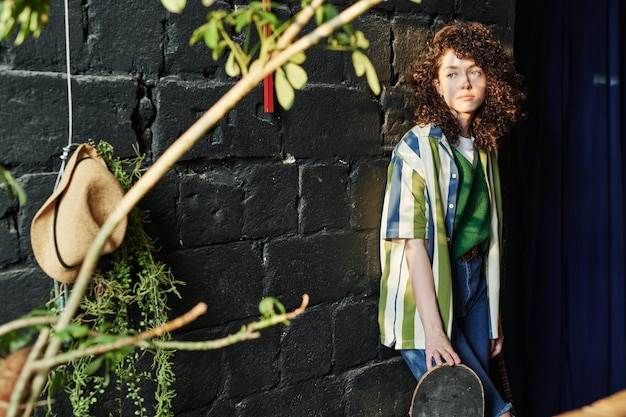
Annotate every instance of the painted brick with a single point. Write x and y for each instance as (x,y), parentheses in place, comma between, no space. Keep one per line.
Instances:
(328,67)
(409,40)
(325,198)
(36,103)
(424,7)
(227,277)
(186,60)
(307,347)
(251,366)
(15,283)
(316,398)
(486,11)
(398,114)
(327,266)
(331,122)
(190,368)
(211,208)
(245,132)
(380,390)
(368,189)
(9,240)
(132,29)
(161,203)
(38,188)
(271,195)
(355,335)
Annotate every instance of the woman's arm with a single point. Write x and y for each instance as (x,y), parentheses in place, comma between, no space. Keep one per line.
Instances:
(438,346)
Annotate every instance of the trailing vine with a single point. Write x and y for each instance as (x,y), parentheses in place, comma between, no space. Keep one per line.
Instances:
(128,295)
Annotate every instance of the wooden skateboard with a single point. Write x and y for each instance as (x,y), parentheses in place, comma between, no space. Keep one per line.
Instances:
(448,391)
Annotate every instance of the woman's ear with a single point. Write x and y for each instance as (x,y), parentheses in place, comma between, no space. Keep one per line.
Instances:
(436,86)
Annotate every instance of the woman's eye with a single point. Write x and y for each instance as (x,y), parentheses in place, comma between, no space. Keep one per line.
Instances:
(451,75)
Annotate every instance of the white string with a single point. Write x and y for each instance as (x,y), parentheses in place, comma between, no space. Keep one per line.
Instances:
(68,73)
(62,290)
(70,116)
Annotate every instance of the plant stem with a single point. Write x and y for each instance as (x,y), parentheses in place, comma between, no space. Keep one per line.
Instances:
(299,22)
(247,332)
(26,322)
(177,323)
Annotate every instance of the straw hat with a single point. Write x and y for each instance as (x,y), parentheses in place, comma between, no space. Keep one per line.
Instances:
(66,225)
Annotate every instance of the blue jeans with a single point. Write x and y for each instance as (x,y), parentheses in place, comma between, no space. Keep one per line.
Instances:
(470,331)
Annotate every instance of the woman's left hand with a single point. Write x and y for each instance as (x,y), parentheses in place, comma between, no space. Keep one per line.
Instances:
(495,345)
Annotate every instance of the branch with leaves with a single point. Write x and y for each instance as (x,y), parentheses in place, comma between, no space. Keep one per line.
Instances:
(280,52)
(95,345)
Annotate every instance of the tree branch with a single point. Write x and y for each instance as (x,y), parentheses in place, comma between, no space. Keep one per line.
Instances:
(175,151)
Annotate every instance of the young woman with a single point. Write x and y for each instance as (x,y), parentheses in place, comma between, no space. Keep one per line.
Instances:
(442,220)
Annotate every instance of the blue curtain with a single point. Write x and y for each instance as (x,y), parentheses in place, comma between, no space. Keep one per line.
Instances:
(564,175)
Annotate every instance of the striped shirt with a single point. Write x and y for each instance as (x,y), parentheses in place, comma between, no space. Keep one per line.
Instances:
(420,203)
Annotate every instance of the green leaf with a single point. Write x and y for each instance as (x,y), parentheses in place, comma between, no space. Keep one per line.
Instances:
(363,65)
(71,332)
(298,58)
(361,40)
(198,34)
(211,35)
(242,20)
(319,16)
(174,6)
(13,188)
(358,61)
(269,305)
(349,29)
(343,38)
(296,75)
(325,13)
(219,49)
(55,382)
(208,3)
(269,18)
(284,90)
(372,77)
(232,67)
(102,339)
(93,366)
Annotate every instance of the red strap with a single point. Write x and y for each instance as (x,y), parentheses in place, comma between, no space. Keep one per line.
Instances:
(268,82)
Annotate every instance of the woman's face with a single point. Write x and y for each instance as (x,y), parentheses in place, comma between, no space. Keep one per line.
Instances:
(462,84)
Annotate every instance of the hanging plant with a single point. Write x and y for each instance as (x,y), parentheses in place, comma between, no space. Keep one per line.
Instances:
(126,297)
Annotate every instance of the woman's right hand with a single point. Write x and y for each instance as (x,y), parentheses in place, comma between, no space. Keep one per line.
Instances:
(440,350)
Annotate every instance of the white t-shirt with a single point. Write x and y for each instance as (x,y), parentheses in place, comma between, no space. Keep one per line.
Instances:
(466,147)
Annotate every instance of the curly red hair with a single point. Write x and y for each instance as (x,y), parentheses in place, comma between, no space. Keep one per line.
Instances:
(502,106)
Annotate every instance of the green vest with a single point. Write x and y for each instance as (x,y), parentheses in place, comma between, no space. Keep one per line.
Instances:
(471,220)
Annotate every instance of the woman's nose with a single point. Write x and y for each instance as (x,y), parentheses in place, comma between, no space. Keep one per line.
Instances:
(466,82)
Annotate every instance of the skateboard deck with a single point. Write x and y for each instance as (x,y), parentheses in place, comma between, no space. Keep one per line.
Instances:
(448,391)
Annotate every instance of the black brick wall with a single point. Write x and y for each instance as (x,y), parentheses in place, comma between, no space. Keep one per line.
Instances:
(265,204)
